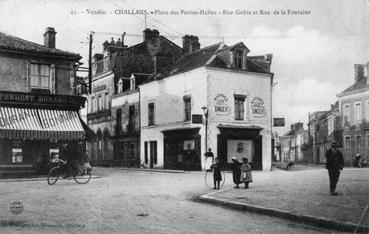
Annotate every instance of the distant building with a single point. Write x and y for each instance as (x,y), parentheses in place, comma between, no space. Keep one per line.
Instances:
(116,73)
(354,108)
(292,144)
(328,129)
(39,110)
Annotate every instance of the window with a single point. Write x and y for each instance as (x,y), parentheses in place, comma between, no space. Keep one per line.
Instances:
(92,104)
(187,107)
(40,76)
(239,107)
(131,119)
(358,113)
(133,83)
(151,114)
(347,143)
(346,114)
(238,59)
(106,101)
(99,103)
(120,86)
(17,155)
(153,152)
(146,153)
(358,144)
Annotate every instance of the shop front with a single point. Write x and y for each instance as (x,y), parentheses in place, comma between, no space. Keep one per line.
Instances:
(33,133)
(239,142)
(182,149)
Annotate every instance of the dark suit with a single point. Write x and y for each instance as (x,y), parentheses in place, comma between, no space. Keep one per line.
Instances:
(334,165)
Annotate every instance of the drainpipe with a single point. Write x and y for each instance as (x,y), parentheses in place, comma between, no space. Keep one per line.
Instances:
(271,118)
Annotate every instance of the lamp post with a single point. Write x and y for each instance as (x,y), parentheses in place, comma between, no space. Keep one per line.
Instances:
(206,114)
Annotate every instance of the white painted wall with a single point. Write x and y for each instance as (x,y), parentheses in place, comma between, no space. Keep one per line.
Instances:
(252,85)
(203,85)
(167,94)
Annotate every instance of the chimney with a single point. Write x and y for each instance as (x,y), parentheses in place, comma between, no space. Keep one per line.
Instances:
(49,37)
(359,72)
(190,44)
(299,126)
(150,35)
(292,126)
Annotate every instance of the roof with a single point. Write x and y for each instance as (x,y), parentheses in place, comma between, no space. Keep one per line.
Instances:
(359,86)
(211,56)
(12,43)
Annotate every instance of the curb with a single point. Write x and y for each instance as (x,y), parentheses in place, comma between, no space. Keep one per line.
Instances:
(149,170)
(318,221)
(35,179)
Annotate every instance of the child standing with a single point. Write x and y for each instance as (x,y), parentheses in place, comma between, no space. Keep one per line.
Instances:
(246,175)
(217,173)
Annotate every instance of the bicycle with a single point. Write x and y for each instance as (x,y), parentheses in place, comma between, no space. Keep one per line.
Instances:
(81,175)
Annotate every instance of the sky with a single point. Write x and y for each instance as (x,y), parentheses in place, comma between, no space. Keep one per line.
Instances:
(313,54)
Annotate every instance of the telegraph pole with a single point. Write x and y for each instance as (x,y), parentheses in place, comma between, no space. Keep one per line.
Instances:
(90,63)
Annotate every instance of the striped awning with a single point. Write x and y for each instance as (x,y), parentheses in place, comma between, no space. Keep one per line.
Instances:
(39,124)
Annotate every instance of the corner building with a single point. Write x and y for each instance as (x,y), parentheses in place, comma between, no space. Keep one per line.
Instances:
(233,87)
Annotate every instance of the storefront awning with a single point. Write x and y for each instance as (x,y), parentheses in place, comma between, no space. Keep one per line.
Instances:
(39,124)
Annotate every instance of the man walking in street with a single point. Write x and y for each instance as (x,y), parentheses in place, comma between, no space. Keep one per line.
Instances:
(334,165)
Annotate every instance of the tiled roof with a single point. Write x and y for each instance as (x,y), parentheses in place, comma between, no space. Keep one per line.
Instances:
(12,43)
(360,85)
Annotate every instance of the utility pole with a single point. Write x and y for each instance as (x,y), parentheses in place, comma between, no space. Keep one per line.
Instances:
(90,63)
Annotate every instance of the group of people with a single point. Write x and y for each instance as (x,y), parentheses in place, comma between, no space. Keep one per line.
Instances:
(241,171)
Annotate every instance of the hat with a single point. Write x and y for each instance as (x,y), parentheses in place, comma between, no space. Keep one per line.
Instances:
(334,144)
(234,158)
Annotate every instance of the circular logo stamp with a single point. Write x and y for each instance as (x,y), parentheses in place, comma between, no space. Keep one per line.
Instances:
(16,207)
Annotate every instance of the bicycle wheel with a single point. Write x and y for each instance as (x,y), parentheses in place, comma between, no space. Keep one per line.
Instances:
(83,176)
(209,181)
(53,175)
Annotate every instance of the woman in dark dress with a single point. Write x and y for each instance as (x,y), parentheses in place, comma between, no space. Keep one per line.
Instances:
(217,176)
(236,171)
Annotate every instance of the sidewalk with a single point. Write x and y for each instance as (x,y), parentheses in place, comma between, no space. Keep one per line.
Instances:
(302,195)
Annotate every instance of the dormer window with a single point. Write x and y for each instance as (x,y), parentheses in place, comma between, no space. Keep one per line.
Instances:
(106,61)
(133,83)
(238,59)
(120,86)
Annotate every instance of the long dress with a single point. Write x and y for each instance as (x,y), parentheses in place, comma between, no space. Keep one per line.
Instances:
(236,170)
(246,175)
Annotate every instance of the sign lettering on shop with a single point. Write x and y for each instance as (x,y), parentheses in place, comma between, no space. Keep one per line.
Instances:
(221,104)
(19,98)
(257,107)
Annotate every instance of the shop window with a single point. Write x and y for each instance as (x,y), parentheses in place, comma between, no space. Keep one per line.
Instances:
(40,76)
(238,59)
(151,114)
(187,107)
(54,155)
(239,107)
(17,156)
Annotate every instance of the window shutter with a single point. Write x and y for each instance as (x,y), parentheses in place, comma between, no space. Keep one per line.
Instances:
(52,79)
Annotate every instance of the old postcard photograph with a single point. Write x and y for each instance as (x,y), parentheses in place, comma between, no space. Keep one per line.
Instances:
(159,116)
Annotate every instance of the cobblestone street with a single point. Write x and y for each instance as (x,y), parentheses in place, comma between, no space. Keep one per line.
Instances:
(130,202)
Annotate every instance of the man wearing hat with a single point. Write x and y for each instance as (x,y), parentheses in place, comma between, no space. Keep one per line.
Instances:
(334,165)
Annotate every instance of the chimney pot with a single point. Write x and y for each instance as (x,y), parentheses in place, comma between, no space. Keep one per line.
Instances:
(359,72)
(190,44)
(49,37)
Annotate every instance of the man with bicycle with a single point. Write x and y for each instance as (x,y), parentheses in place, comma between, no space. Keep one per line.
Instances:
(70,159)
